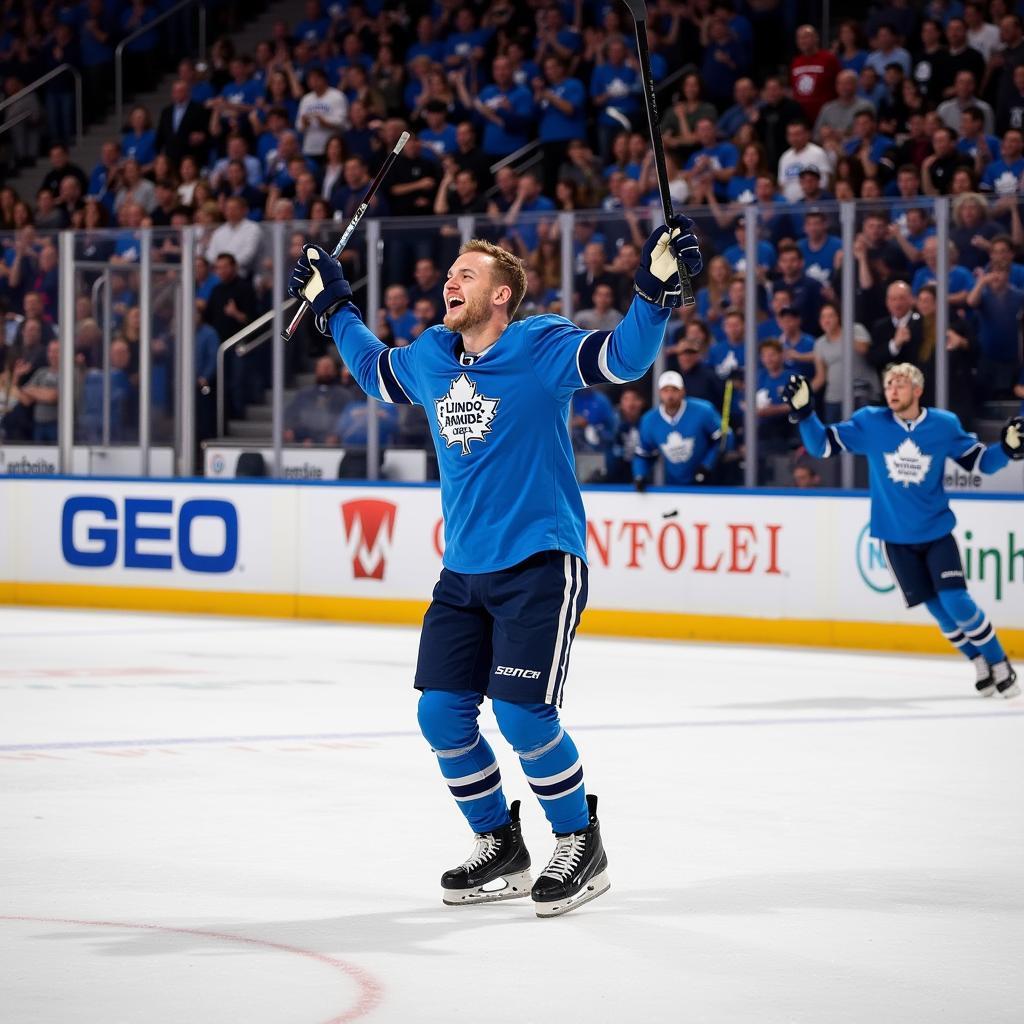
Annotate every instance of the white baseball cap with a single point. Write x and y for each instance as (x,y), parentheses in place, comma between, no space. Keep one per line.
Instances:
(670,379)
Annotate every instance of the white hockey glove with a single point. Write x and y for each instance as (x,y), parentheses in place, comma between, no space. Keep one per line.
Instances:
(1013,438)
(797,393)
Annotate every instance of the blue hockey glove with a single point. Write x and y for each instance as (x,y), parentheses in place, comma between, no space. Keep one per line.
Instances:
(657,277)
(318,278)
(797,394)
(1012,438)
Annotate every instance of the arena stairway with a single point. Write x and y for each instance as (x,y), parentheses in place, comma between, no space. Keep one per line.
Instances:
(86,151)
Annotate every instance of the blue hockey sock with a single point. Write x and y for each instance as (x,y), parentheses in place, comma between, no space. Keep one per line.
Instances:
(974,622)
(448,721)
(950,630)
(550,761)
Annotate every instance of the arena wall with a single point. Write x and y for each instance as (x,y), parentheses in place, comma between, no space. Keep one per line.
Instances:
(765,567)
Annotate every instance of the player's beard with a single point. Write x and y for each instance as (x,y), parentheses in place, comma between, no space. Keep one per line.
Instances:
(473,313)
(900,407)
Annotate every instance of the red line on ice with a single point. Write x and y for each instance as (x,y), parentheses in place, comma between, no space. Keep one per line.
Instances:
(370,990)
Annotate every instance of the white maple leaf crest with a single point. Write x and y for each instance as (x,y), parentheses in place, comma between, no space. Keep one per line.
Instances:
(463,415)
(908,464)
(677,448)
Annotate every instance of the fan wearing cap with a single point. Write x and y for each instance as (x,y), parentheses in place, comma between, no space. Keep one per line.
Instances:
(684,432)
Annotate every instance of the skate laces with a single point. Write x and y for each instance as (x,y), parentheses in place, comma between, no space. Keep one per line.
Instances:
(485,848)
(568,851)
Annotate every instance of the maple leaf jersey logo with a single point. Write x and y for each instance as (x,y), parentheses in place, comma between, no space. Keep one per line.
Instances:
(463,415)
(677,448)
(908,464)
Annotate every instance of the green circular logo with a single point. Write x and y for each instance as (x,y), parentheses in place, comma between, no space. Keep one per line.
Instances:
(871,563)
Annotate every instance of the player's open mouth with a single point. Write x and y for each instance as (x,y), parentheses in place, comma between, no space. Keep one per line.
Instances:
(454,300)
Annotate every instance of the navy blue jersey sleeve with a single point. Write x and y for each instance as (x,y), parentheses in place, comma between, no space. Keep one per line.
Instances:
(387,374)
(970,453)
(566,357)
(825,442)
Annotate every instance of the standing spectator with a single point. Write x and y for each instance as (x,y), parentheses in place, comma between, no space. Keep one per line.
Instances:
(562,104)
(602,315)
(105,179)
(323,111)
(396,316)
(959,57)
(40,392)
(812,73)
(413,181)
(699,379)
(972,230)
(314,410)
(427,284)
(797,346)
(939,168)
(898,336)
(805,292)
(982,35)
(507,109)
(743,111)
(134,188)
(60,167)
(232,304)
(685,432)
(182,128)
(98,36)
(728,356)
(714,163)
(679,124)
(818,248)
(849,46)
(615,93)
(1011,57)
(775,434)
(593,423)
(828,365)
(61,48)
(238,238)
(1000,305)
(468,157)
(964,98)
(726,58)
(961,281)
(837,115)
(802,154)
(1005,175)
(885,50)
(626,437)
(139,142)
(1001,258)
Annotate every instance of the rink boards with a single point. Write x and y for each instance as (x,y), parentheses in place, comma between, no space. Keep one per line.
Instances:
(714,565)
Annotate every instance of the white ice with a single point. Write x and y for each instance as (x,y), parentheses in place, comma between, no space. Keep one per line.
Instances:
(221,820)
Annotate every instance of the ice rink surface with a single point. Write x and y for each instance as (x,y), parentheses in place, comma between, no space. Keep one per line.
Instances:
(220,820)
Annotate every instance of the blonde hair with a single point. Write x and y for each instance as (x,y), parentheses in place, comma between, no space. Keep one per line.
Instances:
(508,269)
(908,370)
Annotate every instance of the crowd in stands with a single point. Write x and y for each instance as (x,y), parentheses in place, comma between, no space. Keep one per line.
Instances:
(911,102)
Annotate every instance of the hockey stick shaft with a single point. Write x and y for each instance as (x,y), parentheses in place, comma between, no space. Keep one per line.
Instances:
(371,191)
(723,441)
(638,11)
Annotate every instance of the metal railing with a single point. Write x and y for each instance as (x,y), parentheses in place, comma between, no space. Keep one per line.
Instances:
(41,81)
(141,31)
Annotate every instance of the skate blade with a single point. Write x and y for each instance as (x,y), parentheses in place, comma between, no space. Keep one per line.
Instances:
(597,886)
(987,691)
(515,887)
(1010,691)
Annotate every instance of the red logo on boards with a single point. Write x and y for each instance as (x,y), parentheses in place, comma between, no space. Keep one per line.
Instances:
(369,529)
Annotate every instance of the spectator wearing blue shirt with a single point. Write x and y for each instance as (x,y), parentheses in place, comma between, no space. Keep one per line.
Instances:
(736,254)
(507,110)
(238,149)
(961,280)
(714,163)
(885,50)
(593,423)
(529,199)
(396,315)
(438,137)
(849,47)
(1004,176)
(466,44)
(804,291)
(684,432)
(795,344)
(427,44)
(615,92)
(563,115)
(871,87)
(1000,306)
(743,111)
(871,150)
(238,98)
(140,54)
(139,143)
(819,248)
(1001,258)
(314,25)
(775,434)
(105,178)
(726,59)
(97,38)
(983,149)
(555,38)
(972,231)
(728,357)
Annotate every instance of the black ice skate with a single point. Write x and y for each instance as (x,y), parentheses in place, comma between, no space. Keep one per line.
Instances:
(986,684)
(1006,686)
(497,869)
(577,872)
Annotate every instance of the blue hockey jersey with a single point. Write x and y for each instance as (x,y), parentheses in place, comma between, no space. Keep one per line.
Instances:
(500,426)
(688,441)
(907,461)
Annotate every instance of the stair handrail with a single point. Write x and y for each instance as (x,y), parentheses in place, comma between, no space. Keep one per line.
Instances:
(41,81)
(142,30)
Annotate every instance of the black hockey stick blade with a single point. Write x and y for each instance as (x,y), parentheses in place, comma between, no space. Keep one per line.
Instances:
(361,209)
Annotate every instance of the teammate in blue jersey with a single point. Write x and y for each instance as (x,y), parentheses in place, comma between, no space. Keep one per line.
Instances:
(514,583)
(684,431)
(907,447)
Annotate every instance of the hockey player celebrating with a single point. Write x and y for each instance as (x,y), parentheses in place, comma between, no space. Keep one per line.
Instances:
(514,582)
(907,447)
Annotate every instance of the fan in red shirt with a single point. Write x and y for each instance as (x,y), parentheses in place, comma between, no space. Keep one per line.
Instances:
(812,74)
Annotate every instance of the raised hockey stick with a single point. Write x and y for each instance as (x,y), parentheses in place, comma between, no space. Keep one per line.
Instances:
(638,10)
(352,225)
(726,413)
